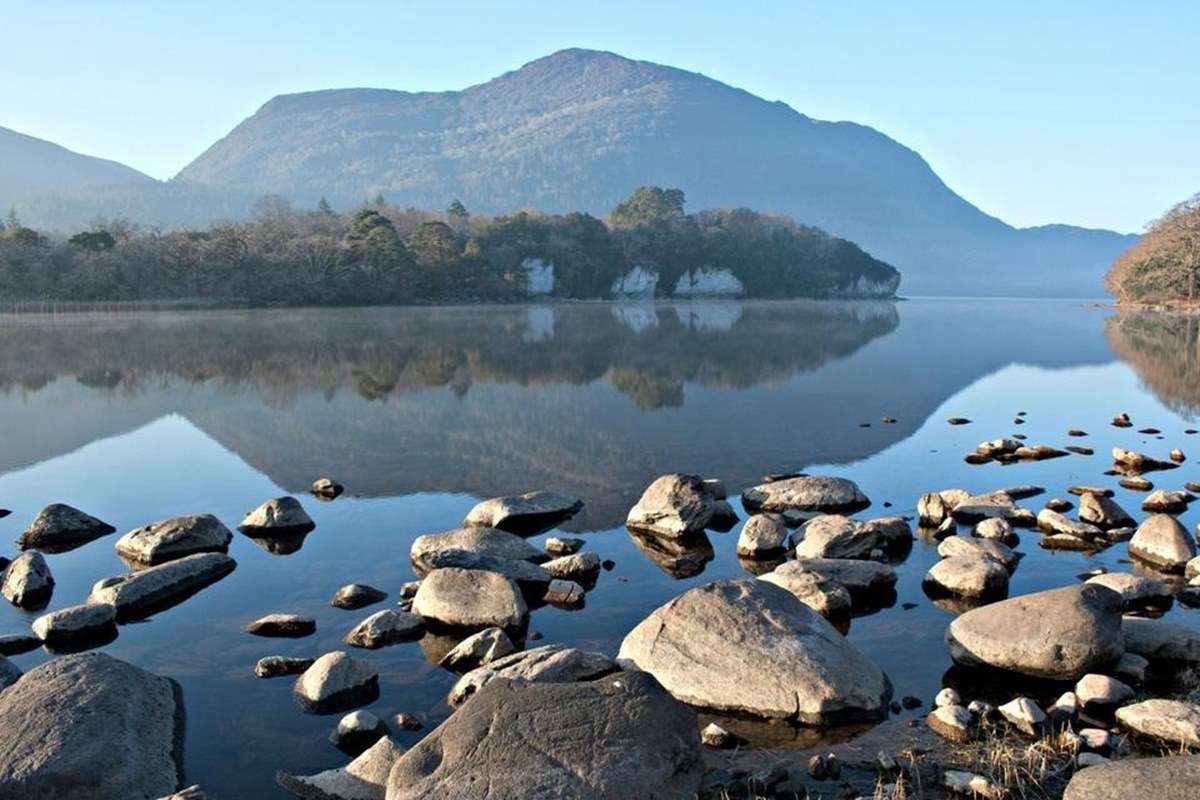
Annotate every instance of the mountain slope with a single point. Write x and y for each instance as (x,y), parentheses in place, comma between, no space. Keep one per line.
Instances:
(34,168)
(579,129)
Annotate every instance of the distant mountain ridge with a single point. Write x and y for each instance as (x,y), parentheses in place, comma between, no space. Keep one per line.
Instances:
(580,129)
(32,167)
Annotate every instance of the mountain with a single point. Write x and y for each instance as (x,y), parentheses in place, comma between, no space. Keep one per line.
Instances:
(32,169)
(579,129)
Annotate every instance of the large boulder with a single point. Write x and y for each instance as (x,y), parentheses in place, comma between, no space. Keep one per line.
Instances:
(27,582)
(674,506)
(1159,640)
(173,538)
(142,593)
(970,577)
(548,664)
(279,516)
(862,579)
(525,514)
(1167,778)
(1137,592)
(1059,634)
(77,627)
(762,535)
(1163,543)
(58,528)
(619,737)
(90,727)
(465,598)
(428,552)
(810,493)
(823,595)
(1103,512)
(748,646)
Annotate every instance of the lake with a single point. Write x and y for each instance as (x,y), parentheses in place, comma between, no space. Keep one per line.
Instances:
(421,412)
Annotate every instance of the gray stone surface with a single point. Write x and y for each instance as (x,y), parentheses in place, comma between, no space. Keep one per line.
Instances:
(576,567)
(27,582)
(1103,512)
(76,625)
(1172,722)
(816,493)
(979,548)
(674,505)
(859,577)
(1060,634)
(1137,592)
(823,595)
(482,541)
(288,626)
(619,737)
(1160,640)
(747,646)
(58,528)
(967,576)
(277,666)
(478,650)
(836,536)
(763,534)
(279,516)
(385,627)
(336,682)
(90,727)
(144,592)
(364,778)
(1163,543)
(356,595)
(1169,778)
(525,514)
(470,599)
(173,538)
(547,664)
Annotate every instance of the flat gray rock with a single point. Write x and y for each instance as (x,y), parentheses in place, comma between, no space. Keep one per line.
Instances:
(836,536)
(478,650)
(1055,523)
(1159,640)
(1103,512)
(173,538)
(971,577)
(277,666)
(82,625)
(279,516)
(1059,634)
(1167,778)
(979,548)
(142,593)
(548,664)
(673,506)
(525,514)
(27,582)
(470,599)
(618,737)
(1137,592)
(823,595)
(337,682)
(482,541)
(58,528)
(816,493)
(861,578)
(364,778)
(577,567)
(748,646)
(384,628)
(357,595)
(90,727)
(286,626)
(1171,722)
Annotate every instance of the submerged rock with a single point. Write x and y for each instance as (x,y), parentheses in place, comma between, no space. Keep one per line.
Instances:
(58,528)
(279,516)
(618,737)
(364,778)
(27,582)
(674,506)
(143,593)
(384,628)
(173,538)
(525,514)
(90,727)
(357,595)
(276,666)
(548,664)
(470,599)
(287,626)
(336,682)
(1059,634)
(811,493)
(357,731)
(751,647)
(1163,543)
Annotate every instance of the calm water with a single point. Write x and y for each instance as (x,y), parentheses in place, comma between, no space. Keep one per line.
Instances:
(421,412)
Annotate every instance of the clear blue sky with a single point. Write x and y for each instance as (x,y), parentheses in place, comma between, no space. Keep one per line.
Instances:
(1079,112)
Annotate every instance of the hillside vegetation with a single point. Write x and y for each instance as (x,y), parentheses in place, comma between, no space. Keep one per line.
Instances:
(380,254)
(1164,266)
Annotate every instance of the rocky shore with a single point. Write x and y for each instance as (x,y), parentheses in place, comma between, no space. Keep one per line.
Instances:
(1079,692)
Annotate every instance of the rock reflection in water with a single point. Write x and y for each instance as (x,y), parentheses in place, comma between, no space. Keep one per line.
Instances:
(684,557)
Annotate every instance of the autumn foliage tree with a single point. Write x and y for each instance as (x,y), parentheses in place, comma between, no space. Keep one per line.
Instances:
(1165,263)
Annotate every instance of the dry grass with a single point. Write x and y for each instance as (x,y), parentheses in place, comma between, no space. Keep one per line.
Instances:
(1025,769)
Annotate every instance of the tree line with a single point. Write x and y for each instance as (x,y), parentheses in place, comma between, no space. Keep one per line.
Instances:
(380,254)
(1164,265)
